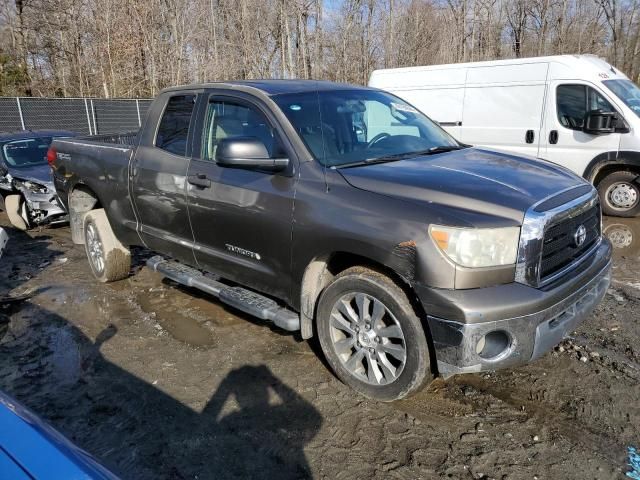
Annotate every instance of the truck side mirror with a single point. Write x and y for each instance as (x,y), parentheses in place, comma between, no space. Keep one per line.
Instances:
(600,123)
(247,152)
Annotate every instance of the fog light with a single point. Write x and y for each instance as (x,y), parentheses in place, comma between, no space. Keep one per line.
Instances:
(493,344)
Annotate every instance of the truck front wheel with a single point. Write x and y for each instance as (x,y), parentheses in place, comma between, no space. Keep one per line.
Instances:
(108,258)
(620,194)
(372,337)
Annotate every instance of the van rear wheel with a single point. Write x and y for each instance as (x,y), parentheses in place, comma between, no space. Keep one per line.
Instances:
(620,194)
(372,337)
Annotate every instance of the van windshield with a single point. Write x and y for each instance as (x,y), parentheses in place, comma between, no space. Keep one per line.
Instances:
(349,127)
(627,91)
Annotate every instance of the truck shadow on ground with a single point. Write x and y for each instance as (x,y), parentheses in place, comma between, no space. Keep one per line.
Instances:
(253,426)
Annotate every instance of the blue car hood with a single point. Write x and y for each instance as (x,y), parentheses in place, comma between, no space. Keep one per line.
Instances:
(38,173)
(29,448)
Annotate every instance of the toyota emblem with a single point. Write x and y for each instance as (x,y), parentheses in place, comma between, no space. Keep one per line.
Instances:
(580,236)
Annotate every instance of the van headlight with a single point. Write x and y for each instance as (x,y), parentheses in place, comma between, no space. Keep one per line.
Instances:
(477,247)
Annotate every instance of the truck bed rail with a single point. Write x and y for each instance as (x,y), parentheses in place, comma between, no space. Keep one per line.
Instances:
(128,138)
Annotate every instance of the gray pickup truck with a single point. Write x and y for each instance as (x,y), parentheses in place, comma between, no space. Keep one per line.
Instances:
(343,212)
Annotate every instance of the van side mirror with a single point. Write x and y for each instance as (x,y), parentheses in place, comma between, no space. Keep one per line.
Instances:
(600,123)
(247,152)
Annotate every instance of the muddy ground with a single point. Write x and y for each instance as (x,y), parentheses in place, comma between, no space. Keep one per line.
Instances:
(160,382)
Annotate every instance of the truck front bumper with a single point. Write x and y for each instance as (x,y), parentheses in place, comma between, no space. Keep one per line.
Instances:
(506,325)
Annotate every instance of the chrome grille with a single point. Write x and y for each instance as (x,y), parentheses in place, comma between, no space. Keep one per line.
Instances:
(560,249)
(547,249)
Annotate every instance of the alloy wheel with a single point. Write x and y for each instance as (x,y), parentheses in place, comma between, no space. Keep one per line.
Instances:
(95,249)
(367,339)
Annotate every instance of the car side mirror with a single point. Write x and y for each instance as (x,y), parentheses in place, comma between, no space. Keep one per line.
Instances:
(600,123)
(247,152)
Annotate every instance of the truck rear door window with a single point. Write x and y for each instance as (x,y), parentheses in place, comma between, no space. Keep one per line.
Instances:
(173,130)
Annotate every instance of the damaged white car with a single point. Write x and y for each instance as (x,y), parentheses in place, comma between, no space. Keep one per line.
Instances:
(27,193)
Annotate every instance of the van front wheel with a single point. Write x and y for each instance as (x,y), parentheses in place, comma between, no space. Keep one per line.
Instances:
(620,194)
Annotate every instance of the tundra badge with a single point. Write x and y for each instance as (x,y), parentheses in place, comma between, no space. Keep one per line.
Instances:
(242,251)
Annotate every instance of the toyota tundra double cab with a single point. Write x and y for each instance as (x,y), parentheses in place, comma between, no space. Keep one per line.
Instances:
(343,212)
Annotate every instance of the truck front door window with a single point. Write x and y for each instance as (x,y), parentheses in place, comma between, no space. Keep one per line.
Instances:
(227,120)
(173,129)
(574,101)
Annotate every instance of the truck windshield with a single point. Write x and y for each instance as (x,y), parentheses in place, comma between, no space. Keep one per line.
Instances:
(26,153)
(347,127)
(627,91)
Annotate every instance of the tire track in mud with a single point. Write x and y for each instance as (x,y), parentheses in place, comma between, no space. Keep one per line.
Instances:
(597,442)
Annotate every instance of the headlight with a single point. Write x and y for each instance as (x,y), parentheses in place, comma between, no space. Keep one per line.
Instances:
(477,247)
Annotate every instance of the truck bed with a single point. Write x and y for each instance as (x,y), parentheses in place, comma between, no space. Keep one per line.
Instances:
(101,164)
(129,138)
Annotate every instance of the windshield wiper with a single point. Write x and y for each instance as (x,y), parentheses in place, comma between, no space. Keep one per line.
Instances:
(370,161)
(443,149)
(401,156)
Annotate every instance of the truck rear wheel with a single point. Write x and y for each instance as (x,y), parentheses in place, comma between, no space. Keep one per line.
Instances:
(620,194)
(372,337)
(108,258)
(17,211)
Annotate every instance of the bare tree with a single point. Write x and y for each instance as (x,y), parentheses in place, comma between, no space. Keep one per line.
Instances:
(122,48)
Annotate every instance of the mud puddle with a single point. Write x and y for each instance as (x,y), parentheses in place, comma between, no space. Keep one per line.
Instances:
(624,234)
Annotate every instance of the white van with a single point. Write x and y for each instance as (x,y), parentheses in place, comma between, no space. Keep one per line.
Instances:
(574,110)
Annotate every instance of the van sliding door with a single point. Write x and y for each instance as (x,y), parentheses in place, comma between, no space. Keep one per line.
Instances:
(503,107)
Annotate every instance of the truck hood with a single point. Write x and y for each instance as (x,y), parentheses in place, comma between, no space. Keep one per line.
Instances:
(38,174)
(471,179)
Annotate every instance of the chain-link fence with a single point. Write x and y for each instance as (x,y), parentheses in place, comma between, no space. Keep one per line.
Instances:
(89,116)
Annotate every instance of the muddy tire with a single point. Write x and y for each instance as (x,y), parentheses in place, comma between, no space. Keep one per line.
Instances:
(372,337)
(620,194)
(15,211)
(109,259)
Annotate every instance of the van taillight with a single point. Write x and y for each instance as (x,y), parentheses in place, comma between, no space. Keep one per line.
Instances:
(51,156)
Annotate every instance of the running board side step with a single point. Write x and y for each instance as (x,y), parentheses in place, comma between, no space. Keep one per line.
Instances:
(240,298)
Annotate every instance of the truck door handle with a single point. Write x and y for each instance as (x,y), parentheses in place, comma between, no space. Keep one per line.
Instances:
(530,136)
(199,180)
(553,137)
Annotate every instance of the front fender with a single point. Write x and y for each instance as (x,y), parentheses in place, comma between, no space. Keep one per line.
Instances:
(606,159)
